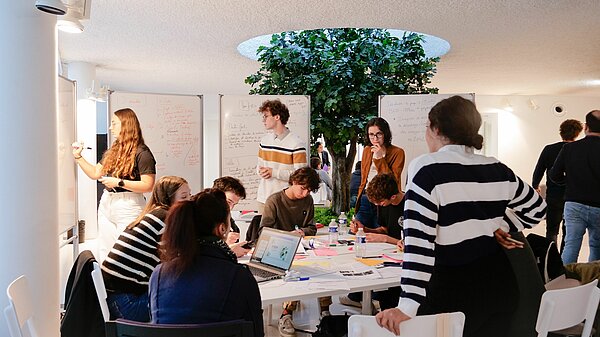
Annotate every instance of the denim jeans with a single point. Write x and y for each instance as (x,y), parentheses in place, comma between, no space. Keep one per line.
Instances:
(366,212)
(129,306)
(578,218)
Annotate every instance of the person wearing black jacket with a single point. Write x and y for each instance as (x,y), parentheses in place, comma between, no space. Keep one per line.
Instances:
(555,194)
(578,167)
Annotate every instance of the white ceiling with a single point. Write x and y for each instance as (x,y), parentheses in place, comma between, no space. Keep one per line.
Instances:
(498,47)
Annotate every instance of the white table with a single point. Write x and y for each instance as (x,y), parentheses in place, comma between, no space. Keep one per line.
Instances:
(277,291)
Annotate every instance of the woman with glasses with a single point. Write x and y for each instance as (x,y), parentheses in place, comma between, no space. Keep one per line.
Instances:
(379,156)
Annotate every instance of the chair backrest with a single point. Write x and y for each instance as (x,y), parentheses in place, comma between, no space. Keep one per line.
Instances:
(126,328)
(253,228)
(447,325)
(564,308)
(19,312)
(100,291)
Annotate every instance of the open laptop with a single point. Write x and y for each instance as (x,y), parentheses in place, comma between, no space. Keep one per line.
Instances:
(273,254)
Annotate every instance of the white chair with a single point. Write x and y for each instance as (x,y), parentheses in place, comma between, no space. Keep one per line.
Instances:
(19,312)
(564,308)
(446,325)
(100,291)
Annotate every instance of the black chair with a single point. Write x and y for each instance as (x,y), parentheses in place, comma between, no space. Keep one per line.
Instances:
(253,229)
(126,328)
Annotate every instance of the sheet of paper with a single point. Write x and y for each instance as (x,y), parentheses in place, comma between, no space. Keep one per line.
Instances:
(325,252)
(370,262)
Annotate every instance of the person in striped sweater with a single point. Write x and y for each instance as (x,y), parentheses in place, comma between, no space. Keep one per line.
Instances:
(281,152)
(459,209)
(127,269)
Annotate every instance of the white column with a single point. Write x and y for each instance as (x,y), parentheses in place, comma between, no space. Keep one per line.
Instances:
(84,73)
(28,197)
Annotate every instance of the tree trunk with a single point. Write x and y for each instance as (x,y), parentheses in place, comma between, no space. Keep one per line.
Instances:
(343,165)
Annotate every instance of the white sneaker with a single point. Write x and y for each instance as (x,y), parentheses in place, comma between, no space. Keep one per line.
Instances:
(286,326)
(345,300)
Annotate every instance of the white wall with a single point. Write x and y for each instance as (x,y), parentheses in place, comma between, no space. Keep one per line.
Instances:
(523,133)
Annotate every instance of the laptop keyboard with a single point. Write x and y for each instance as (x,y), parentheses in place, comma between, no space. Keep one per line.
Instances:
(262,273)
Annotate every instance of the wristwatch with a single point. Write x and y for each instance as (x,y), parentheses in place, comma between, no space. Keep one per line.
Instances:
(121,183)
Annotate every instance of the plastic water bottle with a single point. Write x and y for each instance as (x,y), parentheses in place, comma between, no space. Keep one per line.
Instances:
(343,223)
(333,232)
(360,245)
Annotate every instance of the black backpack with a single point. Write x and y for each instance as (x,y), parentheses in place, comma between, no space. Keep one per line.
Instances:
(332,326)
(547,257)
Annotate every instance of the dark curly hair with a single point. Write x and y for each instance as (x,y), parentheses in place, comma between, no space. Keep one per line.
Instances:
(570,129)
(306,177)
(382,187)
(276,108)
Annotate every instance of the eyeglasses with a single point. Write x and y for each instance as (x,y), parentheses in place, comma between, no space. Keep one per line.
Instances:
(376,135)
(265,116)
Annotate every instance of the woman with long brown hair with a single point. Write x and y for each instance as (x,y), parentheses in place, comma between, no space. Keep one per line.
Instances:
(127,170)
(127,269)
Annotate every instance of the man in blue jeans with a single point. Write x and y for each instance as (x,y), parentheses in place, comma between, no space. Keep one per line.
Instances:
(578,166)
(555,194)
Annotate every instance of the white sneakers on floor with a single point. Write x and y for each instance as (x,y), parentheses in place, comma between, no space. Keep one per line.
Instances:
(345,300)
(286,326)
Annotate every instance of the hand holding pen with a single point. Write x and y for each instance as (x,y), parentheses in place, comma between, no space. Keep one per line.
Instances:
(78,147)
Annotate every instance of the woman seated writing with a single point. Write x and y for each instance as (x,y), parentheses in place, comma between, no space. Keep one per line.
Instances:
(127,269)
(199,280)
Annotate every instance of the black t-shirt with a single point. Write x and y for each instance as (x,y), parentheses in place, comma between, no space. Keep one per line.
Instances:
(144,164)
(388,216)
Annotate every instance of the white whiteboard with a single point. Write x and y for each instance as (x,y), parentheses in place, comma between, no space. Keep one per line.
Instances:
(172,129)
(242,129)
(407,116)
(67,169)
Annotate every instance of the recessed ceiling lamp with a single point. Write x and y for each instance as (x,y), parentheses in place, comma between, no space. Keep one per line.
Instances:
(432,45)
(55,7)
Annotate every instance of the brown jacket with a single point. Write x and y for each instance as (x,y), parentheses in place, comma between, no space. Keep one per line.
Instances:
(393,162)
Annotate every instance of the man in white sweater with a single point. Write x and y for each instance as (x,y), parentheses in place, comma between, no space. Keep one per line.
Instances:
(281,152)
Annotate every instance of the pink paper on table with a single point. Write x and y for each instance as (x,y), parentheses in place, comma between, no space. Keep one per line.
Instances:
(325,252)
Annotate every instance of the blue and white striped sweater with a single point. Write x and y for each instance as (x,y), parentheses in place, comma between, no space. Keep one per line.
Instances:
(455,201)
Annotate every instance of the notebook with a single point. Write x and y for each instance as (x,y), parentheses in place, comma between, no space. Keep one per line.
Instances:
(273,254)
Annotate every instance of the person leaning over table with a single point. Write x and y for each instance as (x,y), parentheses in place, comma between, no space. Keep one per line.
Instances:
(292,210)
(379,156)
(199,279)
(458,204)
(127,170)
(382,192)
(234,192)
(129,264)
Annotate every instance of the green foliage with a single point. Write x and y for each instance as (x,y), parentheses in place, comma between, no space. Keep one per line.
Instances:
(344,71)
(324,215)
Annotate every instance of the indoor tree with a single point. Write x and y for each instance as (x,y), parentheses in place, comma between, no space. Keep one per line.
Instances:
(343,71)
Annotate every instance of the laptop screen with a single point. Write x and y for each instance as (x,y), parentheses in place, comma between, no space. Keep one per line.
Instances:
(276,248)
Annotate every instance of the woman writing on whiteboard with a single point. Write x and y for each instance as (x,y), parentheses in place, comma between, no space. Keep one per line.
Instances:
(127,170)
(379,156)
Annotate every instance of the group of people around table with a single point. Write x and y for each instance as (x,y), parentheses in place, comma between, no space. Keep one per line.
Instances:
(175,259)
